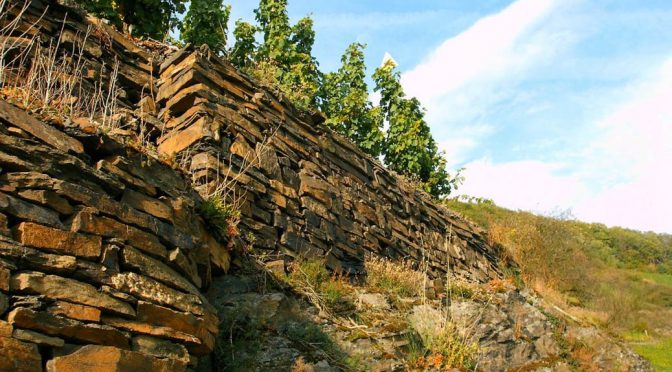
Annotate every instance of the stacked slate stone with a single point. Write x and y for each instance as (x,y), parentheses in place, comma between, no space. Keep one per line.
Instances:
(311,192)
(103,257)
(104,253)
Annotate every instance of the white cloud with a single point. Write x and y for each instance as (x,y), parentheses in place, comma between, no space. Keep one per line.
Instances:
(623,179)
(635,148)
(455,147)
(643,204)
(474,71)
(494,46)
(528,185)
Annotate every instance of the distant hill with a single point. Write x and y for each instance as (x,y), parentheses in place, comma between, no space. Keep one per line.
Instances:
(617,278)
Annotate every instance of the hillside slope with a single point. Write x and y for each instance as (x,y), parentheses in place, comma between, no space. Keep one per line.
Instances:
(618,279)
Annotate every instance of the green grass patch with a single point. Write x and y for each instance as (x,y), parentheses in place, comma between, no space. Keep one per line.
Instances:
(220,216)
(658,352)
(662,279)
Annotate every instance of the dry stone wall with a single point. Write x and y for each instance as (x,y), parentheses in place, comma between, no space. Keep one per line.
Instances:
(97,249)
(103,257)
(311,191)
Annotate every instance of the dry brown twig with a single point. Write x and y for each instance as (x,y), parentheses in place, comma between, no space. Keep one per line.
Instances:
(51,78)
(9,42)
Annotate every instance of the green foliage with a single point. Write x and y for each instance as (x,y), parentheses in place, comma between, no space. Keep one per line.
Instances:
(456,351)
(410,148)
(657,352)
(243,53)
(613,277)
(303,76)
(662,279)
(547,250)
(444,347)
(309,336)
(346,102)
(284,59)
(440,182)
(629,249)
(240,339)
(206,22)
(152,18)
(274,24)
(220,216)
(101,8)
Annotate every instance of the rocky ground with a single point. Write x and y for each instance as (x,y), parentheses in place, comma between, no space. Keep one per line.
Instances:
(270,326)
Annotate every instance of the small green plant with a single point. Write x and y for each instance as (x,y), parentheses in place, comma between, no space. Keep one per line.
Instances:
(456,351)
(447,348)
(445,344)
(415,349)
(325,290)
(221,216)
(459,290)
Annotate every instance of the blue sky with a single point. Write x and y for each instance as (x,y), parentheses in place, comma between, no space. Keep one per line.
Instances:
(549,104)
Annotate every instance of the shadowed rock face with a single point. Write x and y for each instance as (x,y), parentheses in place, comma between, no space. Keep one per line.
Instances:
(105,261)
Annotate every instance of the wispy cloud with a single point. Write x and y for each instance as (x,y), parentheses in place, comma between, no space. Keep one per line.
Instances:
(529,185)
(635,148)
(621,180)
(471,74)
(601,120)
(493,47)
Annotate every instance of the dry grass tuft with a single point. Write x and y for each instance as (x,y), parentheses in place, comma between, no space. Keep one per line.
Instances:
(394,277)
(442,343)
(50,79)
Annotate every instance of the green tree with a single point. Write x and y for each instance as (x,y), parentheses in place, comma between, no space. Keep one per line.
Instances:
(274,24)
(284,58)
(101,8)
(301,76)
(409,147)
(206,22)
(346,102)
(152,18)
(243,53)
